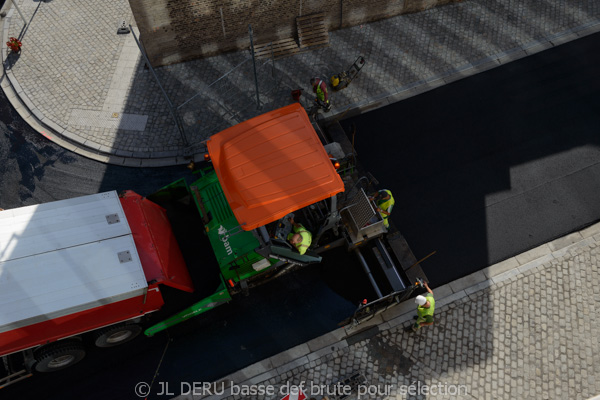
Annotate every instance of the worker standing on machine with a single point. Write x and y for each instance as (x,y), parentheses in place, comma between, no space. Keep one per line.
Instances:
(300,237)
(320,89)
(385,202)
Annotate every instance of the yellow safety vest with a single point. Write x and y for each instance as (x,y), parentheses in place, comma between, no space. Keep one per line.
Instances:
(306,239)
(386,205)
(423,312)
(320,94)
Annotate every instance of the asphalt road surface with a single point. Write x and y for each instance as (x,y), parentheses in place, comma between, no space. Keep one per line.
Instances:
(491,166)
(481,170)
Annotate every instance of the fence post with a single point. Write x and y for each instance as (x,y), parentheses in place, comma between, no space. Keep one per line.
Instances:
(170,104)
(258,106)
(14,3)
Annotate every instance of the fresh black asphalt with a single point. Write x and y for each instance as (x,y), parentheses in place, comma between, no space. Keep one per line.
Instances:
(481,169)
(490,166)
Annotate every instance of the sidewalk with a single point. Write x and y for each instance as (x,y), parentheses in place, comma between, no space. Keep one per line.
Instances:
(83,86)
(526,328)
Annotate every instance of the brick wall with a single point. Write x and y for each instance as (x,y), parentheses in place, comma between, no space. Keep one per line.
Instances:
(179,30)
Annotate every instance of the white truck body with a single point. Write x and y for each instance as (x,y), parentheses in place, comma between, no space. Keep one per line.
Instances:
(65,257)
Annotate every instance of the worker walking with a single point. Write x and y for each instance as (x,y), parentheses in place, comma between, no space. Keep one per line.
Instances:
(385,202)
(300,237)
(320,89)
(425,309)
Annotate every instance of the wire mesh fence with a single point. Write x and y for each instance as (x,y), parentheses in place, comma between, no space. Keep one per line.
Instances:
(230,99)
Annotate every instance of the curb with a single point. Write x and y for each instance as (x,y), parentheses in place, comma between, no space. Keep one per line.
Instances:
(60,136)
(469,286)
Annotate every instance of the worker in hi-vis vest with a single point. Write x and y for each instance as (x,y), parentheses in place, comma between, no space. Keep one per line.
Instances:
(385,202)
(425,309)
(300,238)
(320,89)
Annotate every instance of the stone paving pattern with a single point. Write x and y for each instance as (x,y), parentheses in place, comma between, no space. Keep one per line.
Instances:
(70,53)
(531,335)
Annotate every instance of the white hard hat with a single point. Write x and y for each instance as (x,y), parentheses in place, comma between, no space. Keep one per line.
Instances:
(420,300)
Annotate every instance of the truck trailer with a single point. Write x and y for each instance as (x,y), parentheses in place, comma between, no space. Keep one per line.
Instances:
(94,266)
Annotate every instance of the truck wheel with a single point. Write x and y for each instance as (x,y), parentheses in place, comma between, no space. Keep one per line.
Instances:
(57,356)
(117,334)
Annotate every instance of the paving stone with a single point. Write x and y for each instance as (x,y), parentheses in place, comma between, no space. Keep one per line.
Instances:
(590,231)
(450,299)
(501,267)
(565,241)
(536,47)
(474,291)
(537,263)
(400,320)
(501,278)
(315,355)
(468,281)
(573,247)
(399,310)
(290,355)
(302,361)
(442,291)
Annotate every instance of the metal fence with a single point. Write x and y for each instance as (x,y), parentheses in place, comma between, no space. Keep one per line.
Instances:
(201,109)
(230,99)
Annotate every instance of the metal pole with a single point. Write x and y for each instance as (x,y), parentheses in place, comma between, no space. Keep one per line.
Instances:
(171,107)
(222,21)
(273,61)
(254,65)
(368,272)
(421,260)
(20,13)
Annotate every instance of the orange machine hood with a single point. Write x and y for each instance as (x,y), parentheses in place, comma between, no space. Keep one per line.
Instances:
(271,165)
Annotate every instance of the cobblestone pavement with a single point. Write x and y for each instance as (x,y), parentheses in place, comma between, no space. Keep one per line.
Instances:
(527,328)
(86,87)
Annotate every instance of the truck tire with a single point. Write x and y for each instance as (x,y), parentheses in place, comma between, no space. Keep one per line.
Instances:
(59,355)
(116,335)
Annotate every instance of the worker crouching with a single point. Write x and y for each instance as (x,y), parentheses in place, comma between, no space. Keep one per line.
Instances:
(300,237)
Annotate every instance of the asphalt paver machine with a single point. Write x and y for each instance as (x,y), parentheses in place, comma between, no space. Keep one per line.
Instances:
(278,166)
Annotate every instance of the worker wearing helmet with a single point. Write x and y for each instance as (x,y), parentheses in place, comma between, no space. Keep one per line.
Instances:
(300,238)
(384,202)
(320,89)
(425,309)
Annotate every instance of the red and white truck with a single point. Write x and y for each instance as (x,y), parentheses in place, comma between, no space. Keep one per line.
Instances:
(91,264)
